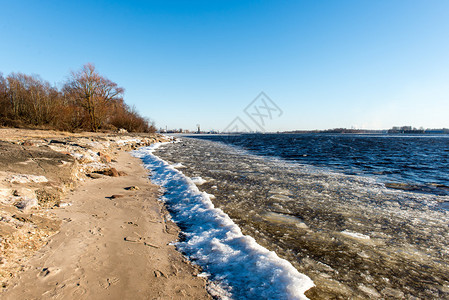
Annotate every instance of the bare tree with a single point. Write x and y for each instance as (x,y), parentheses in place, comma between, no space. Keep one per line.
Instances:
(95,93)
(4,104)
(129,118)
(16,94)
(42,100)
(31,99)
(87,101)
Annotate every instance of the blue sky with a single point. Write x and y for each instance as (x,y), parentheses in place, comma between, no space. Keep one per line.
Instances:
(326,64)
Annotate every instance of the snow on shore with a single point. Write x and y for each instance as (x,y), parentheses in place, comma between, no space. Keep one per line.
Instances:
(236,263)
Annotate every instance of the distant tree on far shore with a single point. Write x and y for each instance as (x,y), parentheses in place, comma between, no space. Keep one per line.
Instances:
(87,101)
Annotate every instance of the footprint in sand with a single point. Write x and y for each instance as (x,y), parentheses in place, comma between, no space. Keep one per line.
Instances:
(48,272)
(79,291)
(106,283)
(159,273)
(96,231)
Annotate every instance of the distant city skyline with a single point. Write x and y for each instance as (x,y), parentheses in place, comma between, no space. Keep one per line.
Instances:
(393,130)
(324,64)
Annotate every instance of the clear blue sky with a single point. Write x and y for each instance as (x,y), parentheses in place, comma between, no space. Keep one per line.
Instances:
(326,64)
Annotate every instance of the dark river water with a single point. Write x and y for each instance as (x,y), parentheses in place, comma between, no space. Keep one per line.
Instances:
(416,162)
(361,215)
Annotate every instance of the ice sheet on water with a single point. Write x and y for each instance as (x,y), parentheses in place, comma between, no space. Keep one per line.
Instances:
(239,265)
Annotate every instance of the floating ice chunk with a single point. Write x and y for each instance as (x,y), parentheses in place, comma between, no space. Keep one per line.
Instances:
(370,291)
(178,166)
(198,180)
(363,254)
(280,197)
(393,293)
(356,235)
(211,196)
(283,218)
(204,275)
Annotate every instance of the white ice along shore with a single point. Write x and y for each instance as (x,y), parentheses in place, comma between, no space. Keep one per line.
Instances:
(240,267)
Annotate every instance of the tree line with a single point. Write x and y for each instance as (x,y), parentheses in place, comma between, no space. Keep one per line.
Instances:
(86,101)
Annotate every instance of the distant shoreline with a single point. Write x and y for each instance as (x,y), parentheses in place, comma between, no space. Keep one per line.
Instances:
(361,132)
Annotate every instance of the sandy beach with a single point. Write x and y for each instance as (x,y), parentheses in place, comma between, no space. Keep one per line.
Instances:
(113,240)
